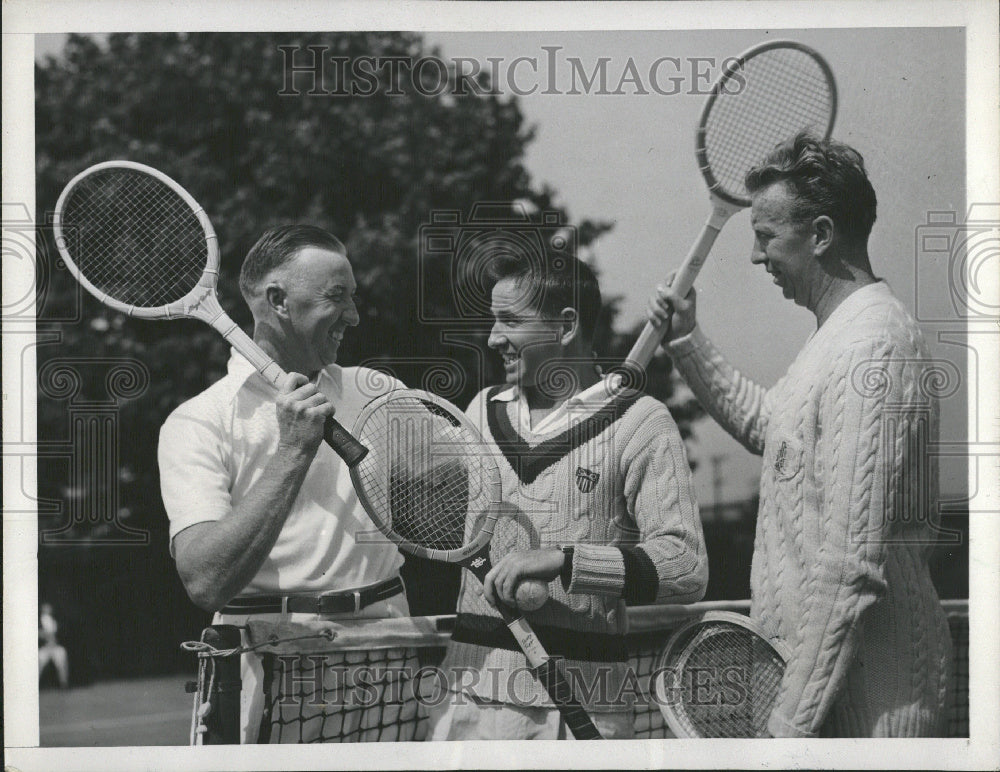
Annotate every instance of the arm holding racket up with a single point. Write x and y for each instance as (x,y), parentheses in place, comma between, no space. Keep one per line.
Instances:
(736,402)
(217,559)
(231,476)
(845,521)
(260,508)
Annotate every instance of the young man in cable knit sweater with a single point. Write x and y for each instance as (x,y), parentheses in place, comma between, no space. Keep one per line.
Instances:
(598,503)
(848,488)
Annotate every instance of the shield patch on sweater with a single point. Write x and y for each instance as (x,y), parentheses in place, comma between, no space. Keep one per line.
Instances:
(586,479)
(787,459)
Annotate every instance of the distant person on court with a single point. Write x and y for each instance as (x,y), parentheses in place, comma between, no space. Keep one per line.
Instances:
(50,651)
(598,504)
(263,516)
(848,488)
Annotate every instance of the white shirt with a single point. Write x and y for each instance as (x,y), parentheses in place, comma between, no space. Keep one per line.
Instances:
(213,449)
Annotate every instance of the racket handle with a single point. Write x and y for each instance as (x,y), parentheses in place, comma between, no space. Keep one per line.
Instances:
(343,442)
(645,347)
(547,671)
(577,720)
(336,436)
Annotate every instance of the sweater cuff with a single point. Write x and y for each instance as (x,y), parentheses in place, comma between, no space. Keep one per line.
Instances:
(777,726)
(597,570)
(686,344)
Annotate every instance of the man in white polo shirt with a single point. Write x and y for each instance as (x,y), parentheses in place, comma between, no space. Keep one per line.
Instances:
(264,521)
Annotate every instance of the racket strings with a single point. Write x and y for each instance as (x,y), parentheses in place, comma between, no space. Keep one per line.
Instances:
(134,238)
(424,474)
(784,91)
(729,679)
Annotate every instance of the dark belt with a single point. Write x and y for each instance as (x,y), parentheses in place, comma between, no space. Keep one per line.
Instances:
(329,603)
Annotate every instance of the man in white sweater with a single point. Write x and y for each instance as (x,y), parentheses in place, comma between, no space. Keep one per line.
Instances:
(848,490)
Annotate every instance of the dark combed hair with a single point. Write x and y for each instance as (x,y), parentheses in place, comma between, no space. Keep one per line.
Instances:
(279,245)
(556,282)
(826,177)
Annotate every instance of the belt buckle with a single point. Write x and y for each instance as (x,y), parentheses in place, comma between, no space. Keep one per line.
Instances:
(357,601)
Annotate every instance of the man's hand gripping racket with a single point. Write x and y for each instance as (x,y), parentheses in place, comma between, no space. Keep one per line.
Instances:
(140,244)
(765,96)
(431,485)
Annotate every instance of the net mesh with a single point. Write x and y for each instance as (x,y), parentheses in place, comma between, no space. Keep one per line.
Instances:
(344,696)
(723,681)
(396,685)
(133,237)
(425,472)
(776,94)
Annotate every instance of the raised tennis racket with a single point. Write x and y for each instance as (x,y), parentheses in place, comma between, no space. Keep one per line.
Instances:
(140,244)
(718,676)
(765,96)
(432,486)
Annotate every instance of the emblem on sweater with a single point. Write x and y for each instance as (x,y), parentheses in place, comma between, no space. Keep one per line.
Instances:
(782,458)
(586,479)
(787,460)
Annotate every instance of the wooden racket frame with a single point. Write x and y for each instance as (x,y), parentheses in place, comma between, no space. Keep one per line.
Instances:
(201,302)
(680,640)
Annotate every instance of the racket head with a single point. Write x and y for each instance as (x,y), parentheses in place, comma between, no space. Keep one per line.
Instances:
(719,676)
(137,241)
(429,482)
(765,96)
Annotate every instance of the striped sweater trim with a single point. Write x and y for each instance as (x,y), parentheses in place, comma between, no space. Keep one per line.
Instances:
(578,645)
(530,461)
(641,578)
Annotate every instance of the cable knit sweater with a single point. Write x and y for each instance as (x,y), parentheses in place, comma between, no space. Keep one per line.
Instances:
(848,499)
(617,487)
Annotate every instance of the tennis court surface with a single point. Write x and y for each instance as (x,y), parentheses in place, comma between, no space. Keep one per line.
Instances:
(143,711)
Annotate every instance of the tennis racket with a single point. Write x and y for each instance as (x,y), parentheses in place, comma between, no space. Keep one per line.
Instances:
(765,96)
(140,244)
(718,676)
(432,486)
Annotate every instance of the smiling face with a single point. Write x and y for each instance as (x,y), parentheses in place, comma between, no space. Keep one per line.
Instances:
(783,246)
(521,335)
(319,292)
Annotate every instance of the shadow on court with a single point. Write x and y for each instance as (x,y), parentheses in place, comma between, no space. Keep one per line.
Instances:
(142,711)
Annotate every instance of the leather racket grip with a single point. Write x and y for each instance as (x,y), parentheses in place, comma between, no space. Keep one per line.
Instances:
(555,684)
(343,442)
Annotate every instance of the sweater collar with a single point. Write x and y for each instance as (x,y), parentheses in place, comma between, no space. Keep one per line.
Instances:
(858,300)
(573,410)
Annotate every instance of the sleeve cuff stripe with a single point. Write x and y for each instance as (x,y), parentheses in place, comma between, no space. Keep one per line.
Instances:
(641,580)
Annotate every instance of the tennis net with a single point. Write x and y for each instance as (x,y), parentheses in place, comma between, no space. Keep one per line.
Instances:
(320,682)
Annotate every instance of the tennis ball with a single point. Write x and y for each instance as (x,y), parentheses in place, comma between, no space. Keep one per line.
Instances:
(531,594)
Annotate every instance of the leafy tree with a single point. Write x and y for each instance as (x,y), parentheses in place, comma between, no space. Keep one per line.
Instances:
(208,110)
